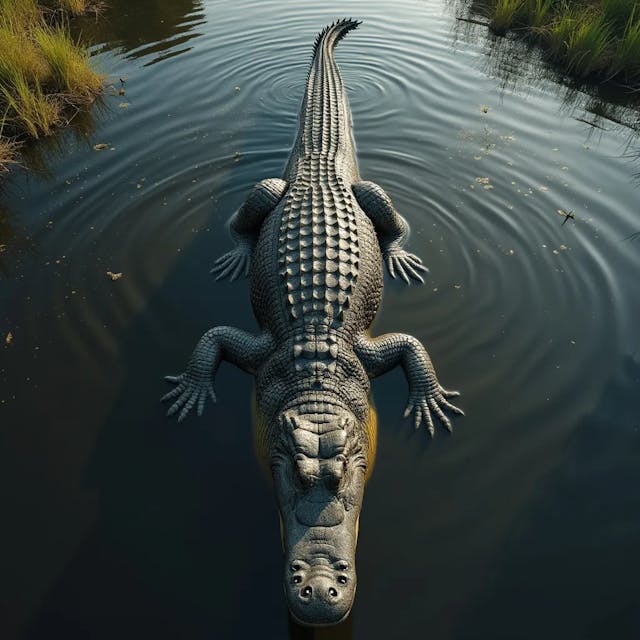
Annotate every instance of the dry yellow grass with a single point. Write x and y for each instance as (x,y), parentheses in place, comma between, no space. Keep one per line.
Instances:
(42,70)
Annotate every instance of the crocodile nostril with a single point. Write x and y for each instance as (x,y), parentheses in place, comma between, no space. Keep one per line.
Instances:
(333,593)
(306,592)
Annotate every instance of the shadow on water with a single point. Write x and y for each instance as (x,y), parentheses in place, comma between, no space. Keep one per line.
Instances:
(185,542)
(342,631)
(578,547)
(145,27)
(15,242)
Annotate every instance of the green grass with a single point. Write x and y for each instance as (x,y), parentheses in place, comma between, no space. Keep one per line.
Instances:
(504,15)
(592,38)
(626,57)
(43,71)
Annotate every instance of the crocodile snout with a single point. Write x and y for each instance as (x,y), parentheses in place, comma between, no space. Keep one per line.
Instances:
(320,595)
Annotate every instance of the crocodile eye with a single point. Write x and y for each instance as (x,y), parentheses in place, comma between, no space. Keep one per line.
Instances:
(340,458)
(332,592)
(295,567)
(297,579)
(343,566)
(306,592)
(342,579)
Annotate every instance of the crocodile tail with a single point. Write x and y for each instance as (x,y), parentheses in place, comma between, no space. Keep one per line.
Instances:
(333,33)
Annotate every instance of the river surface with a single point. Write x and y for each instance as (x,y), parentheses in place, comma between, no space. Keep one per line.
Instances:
(525,523)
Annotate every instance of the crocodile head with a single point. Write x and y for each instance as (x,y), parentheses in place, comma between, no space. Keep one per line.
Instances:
(319,475)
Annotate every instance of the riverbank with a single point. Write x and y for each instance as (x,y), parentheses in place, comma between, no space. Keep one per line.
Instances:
(598,38)
(45,76)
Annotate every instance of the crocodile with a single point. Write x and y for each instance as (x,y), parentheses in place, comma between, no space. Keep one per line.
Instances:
(313,244)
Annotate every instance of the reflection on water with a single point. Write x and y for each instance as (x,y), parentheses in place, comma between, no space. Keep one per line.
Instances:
(14,242)
(154,28)
(520,66)
(121,524)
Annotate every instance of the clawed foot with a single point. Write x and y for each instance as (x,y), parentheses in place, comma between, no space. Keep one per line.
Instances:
(234,263)
(406,265)
(421,404)
(190,389)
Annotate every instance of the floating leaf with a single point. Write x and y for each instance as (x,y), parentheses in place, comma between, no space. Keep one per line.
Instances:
(9,339)
(100,146)
(114,276)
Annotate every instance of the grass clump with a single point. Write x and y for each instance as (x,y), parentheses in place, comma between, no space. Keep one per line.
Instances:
(504,15)
(43,71)
(599,38)
(74,7)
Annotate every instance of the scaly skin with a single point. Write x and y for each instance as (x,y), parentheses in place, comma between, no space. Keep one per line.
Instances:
(313,244)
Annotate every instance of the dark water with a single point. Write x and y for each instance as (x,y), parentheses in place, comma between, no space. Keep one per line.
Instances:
(525,523)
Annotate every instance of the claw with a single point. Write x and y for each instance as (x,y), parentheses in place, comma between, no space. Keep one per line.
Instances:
(403,274)
(438,411)
(174,379)
(412,272)
(226,271)
(240,263)
(451,407)
(390,266)
(417,419)
(175,406)
(176,391)
(201,399)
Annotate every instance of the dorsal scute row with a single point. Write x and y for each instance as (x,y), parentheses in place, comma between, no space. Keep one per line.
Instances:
(318,260)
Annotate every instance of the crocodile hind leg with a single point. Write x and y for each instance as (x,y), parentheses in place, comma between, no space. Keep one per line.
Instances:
(426,395)
(193,386)
(391,229)
(245,226)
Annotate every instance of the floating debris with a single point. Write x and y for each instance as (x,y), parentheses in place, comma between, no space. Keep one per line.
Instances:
(124,105)
(100,146)
(482,180)
(511,252)
(457,286)
(566,215)
(484,108)
(3,248)
(9,339)
(236,89)
(114,276)
(543,188)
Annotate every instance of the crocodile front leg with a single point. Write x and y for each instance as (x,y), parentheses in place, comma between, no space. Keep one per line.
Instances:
(381,354)
(245,227)
(243,349)
(391,229)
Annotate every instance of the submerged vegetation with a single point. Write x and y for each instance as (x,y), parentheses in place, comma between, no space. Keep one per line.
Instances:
(598,38)
(45,76)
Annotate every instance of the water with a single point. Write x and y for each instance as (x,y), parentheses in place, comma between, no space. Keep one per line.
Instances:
(524,524)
